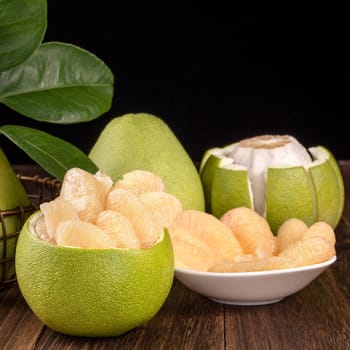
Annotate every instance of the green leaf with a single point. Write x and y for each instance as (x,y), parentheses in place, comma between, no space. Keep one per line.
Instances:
(59,83)
(23,25)
(53,154)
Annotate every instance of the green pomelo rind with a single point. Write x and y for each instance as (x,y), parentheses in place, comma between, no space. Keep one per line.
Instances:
(144,141)
(223,152)
(207,175)
(12,195)
(92,292)
(205,158)
(212,159)
(341,185)
(12,192)
(230,188)
(327,205)
(284,201)
(329,187)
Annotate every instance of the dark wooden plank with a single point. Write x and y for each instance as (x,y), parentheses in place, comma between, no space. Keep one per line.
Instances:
(318,317)
(19,327)
(182,323)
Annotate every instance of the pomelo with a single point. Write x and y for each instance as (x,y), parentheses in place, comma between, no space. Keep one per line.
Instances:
(289,232)
(145,142)
(252,231)
(241,241)
(12,197)
(92,292)
(201,240)
(277,177)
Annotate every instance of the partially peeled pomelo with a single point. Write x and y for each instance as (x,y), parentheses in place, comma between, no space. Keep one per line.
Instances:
(277,177)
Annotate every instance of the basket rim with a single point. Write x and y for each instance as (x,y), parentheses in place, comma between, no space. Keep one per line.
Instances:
(39,188)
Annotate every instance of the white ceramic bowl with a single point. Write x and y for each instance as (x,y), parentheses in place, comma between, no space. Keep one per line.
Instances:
(251,288)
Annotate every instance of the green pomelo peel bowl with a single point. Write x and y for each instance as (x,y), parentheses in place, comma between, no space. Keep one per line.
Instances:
(92,292)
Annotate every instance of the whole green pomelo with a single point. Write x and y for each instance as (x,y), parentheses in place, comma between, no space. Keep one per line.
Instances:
(92,292)
(12,196)
(144,141)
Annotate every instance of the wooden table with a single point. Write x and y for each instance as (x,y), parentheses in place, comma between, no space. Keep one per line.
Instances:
(318,317)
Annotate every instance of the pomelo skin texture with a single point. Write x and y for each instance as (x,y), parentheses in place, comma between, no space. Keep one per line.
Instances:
(92,292)
(144,141)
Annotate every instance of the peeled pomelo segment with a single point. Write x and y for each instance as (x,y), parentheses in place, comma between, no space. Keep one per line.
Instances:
(207,229)
(328,186)
(320,229)
(118,227)
(128,203)
(230,188)
(56,211)
(251,230)
(309,251)
(74,233)
(104,180)
(289,193)
(164,207)
(264,264)
(290,231)
(85,192)
(190,252)
(140,181)
(214,159)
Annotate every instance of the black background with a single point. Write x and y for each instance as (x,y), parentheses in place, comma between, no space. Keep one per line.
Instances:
(214,73)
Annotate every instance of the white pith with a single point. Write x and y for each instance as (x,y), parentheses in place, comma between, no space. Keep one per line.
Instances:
(32,222)
(319,156)
(257,160)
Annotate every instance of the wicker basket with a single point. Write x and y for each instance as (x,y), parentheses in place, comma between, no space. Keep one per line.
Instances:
(39,189)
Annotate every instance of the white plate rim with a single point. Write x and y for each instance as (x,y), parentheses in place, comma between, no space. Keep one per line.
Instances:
(258,273)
